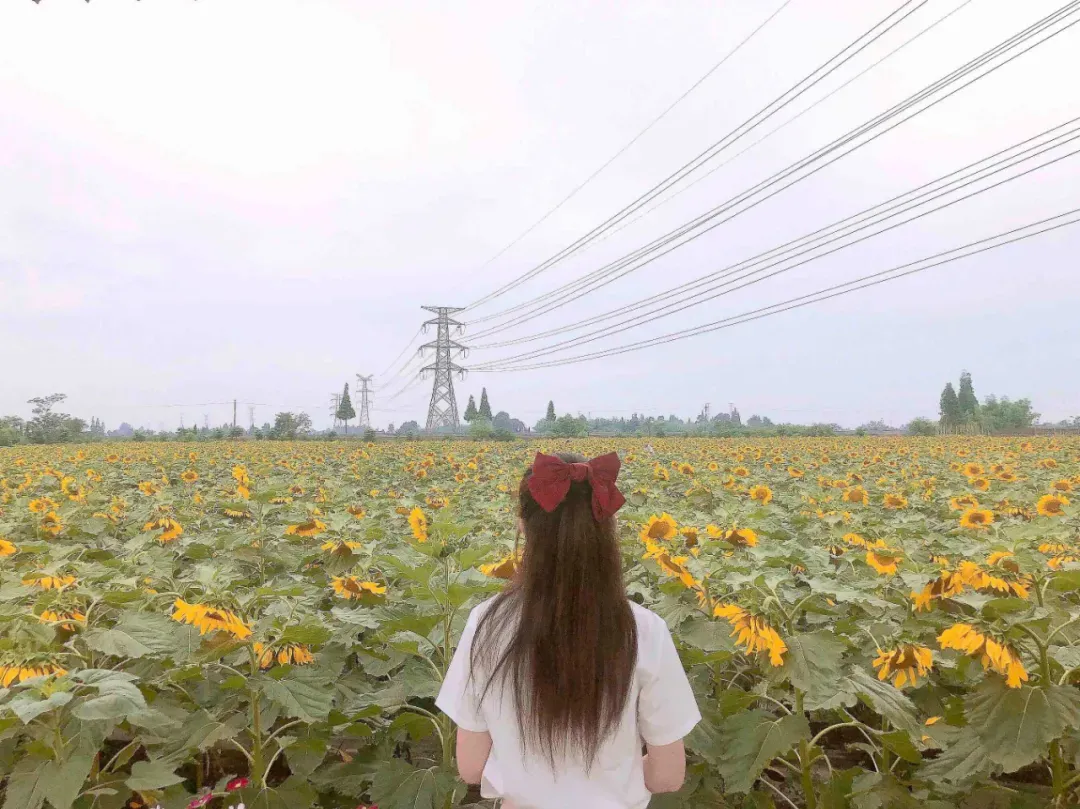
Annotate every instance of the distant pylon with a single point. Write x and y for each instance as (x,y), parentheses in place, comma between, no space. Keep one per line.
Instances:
(442,412)
(365,401)
(335,405)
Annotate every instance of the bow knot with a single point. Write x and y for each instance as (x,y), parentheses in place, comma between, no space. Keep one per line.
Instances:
(551,478)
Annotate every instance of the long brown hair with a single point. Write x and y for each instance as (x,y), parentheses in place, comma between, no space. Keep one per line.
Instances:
(562,635)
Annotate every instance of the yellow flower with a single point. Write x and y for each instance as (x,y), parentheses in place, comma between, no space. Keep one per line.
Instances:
(352,587)
(49,582)
(237,514)
(686,469)
(761,493)
(41,505)
(713,466)
(15,672)
(979,519)
(419,524)
(972,470)
(309,528)
(907,661)
(895,501)
(992,653)
(502,569)
(754,633)
(856,540)
(52,524)
(740,471)
(1052,505)
(690,534)
(296,654)
(883,561)
(147,488)
(856,494)
(190,476)
(357,511)
(208,618)
(7,548)
(741,536)
(66,618)
(982,484)
(963,502)
(339,547)
(795,473)
(661,474)
(1064,486)
(170,528)
(662,527)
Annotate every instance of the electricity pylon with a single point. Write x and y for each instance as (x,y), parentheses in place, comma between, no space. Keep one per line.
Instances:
(335,405)
(365,402)
(443,412)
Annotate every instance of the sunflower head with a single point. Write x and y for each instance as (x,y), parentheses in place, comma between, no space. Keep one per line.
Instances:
(1052,505)
(977,518)
(419,524)
(761,493)
(856,494)
(904,664)
(895,501)
(662,527)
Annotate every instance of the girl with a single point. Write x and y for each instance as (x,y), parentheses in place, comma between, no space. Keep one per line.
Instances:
(559,680)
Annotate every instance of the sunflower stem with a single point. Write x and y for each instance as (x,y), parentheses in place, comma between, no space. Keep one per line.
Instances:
(805,760)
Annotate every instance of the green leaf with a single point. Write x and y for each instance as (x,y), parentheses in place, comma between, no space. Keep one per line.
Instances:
(116,642)
(814,664)
(299,693)
(26,784)
(28,707)
(886,700)
(64,782)
(709,636)
(146,775)
(1016,725)
(751,740)
(359,616)
(118,695)
(1067,656)
(398,785)
(965,762)
(311,634)
(899,742)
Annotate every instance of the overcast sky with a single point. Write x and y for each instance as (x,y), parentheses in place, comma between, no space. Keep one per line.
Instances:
(251,199)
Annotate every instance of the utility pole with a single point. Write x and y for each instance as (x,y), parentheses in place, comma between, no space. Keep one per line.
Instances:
(251,417)
(206,421)
(442,412)
(365,402)
(234,414)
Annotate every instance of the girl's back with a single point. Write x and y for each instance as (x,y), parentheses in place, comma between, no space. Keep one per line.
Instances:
(559,680)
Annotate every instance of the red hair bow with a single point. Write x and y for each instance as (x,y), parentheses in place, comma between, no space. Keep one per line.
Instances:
(551,478)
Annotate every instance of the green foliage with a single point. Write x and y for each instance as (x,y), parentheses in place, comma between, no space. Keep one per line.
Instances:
(968,404)
(567,426)
(345,409)
(1004,414)
(949,407)
(921,427)
(485,407)
(470,410)
(550,415)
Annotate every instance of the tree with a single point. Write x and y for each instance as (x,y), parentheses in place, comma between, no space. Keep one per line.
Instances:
(567,426)
(921,426)
(470,410)
(485,406)
(1003,414)
(550,412)
(48,427)
(409,428)
(345,409)
(290,425)
(949,406)
(969,405)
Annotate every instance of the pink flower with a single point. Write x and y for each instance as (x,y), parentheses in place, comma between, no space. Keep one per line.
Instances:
(195,803)
(237,783)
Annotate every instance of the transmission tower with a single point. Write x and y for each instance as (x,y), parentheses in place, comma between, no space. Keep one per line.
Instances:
(442,412)
(335,404)
(365,401)
(251,417)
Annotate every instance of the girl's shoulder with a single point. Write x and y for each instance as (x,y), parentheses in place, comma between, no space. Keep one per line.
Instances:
(651,627)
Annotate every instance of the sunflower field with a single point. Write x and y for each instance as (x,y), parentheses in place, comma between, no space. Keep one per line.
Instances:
(867,623)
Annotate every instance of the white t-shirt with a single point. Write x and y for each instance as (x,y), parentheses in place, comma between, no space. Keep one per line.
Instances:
(661,710)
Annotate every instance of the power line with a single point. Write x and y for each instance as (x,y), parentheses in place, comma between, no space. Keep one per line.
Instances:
(408,345)
(895,206)
(789,121)
(828,293)
(694,164)
(625,265)
(631,142)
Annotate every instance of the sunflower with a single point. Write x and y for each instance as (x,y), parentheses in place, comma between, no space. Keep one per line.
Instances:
(1064,486)
(353,587)
(338,547)
(745,537)
(761,493)
(895,501)
(754,633)
(661,474)
(296,654)
(237,514)
(147,488)
(112,458)
(992,653)
(7,548)
(973,470)
(419,524)
(982,484)
(170,528)
(52,524)
(713,466)
(502,569)
(740,471)
(357,511)
(856,540)
(309,528)
(883,560)
(15,672)
(662,527)
(46,582)
(1006,476)
(963,502)
(907,661)
(856,494)
(67,618)
(190,476)
(437,502)
(208,618)
(1052,505)
(41,505)
(795,473)
(977,518)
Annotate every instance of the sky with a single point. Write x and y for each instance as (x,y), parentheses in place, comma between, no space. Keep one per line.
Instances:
(252,199)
